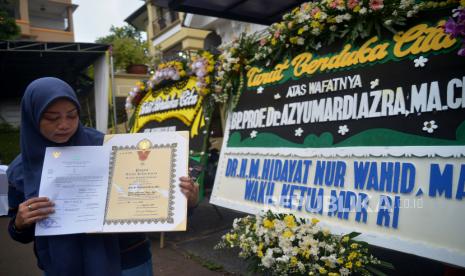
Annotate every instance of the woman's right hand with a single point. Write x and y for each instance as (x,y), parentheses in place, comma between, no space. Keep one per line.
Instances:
(33,210)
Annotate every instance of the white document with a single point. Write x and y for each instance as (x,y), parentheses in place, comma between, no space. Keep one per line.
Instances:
(76,180)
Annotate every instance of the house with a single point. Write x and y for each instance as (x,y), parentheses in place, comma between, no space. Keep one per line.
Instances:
(46,47)
(44,20)
(165,32)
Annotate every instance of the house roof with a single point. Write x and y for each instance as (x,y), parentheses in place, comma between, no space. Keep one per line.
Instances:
(138,19)
(263,12)
(24,61)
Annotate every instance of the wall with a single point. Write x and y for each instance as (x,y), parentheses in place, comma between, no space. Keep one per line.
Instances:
(10,112)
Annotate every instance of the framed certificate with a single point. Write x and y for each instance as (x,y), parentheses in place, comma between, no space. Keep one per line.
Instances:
(144,173)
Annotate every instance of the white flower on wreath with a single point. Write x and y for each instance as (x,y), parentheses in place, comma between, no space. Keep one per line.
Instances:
(268,259)
(420,61)
(253,134)
(429,126)
(344,271)
(260,90)
(343,129)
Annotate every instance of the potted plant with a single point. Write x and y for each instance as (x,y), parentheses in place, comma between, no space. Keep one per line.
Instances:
(130,51)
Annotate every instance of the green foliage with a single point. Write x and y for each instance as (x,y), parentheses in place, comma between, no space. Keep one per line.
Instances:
(127,45)
(8,27)
(9,143)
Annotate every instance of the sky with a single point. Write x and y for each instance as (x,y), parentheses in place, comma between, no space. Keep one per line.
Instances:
(93,18)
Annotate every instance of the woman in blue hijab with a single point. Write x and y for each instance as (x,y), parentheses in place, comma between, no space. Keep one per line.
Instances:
(50,118)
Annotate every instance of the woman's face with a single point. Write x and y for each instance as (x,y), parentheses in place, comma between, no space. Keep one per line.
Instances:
(59,121)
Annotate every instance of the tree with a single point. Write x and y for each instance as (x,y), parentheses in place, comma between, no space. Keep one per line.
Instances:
(8,27)
(128,46)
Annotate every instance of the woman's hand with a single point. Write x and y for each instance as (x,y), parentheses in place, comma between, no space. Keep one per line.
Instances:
(190,190)
(33,210)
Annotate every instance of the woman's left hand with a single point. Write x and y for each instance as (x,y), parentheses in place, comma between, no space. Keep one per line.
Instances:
(190,190)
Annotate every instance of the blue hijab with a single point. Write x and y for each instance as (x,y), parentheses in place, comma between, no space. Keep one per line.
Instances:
(80,254)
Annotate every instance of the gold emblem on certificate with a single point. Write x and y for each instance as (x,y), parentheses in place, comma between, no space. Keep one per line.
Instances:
(141,184)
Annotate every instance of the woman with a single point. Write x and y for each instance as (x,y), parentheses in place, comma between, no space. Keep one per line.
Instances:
(50,117)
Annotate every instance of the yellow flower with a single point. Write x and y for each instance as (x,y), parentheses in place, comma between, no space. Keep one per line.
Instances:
(306,254)
(357,8)
(352,256)
(333,274)
(207,55)
(317,15)
(462,3)
(288,234)
(301,31)
(268,223)
(322,270)
(293,39)
(340,261)
(345,239)
(236,67)
(315,24)
(358,264)
(354,246)
(293,261)
(348,265)
(326,232)
(331,19)
(273,41)
(290,221)
(259,250)
(315,220)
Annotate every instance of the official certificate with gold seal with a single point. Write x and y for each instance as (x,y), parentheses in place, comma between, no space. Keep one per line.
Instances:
(143,191)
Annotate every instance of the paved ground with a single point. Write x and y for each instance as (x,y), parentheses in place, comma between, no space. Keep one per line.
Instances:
(185,253)
(192,253)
